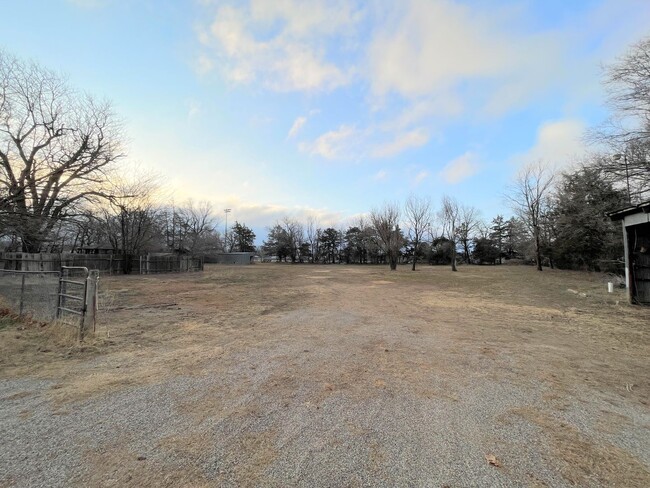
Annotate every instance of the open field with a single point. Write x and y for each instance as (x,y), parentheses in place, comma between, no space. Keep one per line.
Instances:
(278,375)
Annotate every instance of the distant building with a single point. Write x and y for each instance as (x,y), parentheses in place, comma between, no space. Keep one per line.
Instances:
(98,249)
(231,258)
(635,220)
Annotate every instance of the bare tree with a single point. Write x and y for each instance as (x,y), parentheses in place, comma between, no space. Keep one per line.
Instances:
(55,147)
(418,217)
(627,130)
(295,236)
(312,233)
(386,224)
(197,221)
(627,82)
(129,217)
(529,197)
(469,220)
(450,216)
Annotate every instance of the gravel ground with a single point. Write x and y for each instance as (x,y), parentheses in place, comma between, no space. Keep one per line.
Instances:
(333,392)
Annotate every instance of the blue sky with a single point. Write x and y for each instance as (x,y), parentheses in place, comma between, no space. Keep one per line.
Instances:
(329,108)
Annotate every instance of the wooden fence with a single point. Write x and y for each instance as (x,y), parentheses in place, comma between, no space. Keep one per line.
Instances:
(105,263)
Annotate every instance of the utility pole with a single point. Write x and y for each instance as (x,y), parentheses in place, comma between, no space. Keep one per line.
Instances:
(225,240)
(617,157)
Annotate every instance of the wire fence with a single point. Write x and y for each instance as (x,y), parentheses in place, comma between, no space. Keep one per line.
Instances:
(30,293)
(68,297)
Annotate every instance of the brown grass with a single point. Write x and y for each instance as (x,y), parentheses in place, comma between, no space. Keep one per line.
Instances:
(452,326)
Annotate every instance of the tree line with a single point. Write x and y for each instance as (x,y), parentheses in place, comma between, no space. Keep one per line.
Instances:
(61,189)
(560,220)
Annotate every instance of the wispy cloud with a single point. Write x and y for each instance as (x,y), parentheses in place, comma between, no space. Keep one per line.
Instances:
(381,175)
(193,109)
(296,126)
(460,169)
(203,64)
(89,4)
(401,143)
(420,177)
(335,144)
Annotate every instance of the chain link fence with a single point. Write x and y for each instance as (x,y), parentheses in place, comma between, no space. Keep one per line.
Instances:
(30,293)
(67,297)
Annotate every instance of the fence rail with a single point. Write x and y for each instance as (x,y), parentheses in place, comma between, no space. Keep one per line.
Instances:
(105,263)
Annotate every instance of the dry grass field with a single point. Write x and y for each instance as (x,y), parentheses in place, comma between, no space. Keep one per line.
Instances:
(280,375)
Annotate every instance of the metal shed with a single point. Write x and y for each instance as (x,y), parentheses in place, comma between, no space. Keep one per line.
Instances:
(635,220)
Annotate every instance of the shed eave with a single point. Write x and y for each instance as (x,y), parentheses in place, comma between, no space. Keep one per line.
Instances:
(643,207)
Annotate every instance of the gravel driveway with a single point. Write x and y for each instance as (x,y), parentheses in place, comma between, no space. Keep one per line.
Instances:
(336,376)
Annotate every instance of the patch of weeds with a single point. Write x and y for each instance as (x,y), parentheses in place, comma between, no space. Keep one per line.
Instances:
(8,319)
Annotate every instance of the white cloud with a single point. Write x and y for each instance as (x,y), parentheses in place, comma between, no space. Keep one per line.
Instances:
(402,142)
(460,168)
(335,144)
(280,44)
(349,143)
(432,45)
(443,49)
(304,18)
(558,143)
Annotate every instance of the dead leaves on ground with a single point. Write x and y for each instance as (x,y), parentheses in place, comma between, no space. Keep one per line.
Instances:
(492,460)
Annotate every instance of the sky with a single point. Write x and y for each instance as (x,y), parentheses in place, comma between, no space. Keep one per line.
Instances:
(330,108)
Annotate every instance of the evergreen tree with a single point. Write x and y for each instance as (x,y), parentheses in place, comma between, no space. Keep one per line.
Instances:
(584,234)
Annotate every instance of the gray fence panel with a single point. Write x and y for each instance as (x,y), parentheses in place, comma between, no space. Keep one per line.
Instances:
(33,293)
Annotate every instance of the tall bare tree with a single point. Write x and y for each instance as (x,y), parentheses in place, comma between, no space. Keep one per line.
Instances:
(130,216)
(528,197)
(386,224)
(469,220)
(55,147)
(450,217)
(626,132)
(418,217)
(313,236)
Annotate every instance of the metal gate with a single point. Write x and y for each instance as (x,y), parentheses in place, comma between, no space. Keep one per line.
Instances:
(73,289)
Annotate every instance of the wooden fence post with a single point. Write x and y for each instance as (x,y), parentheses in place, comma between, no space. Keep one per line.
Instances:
(22,295)
(92,291)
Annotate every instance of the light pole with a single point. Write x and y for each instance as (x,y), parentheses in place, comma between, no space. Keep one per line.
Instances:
(225,240)
(617,157)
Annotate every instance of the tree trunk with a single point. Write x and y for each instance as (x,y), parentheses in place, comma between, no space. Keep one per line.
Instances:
(392,261)
(415,254)
(31,244)
(453,256)
(538,252)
